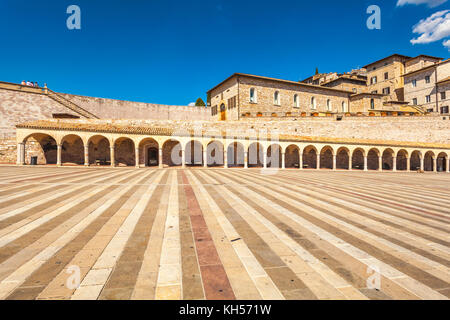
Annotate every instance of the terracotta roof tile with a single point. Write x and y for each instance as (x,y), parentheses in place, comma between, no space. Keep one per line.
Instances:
(141,129)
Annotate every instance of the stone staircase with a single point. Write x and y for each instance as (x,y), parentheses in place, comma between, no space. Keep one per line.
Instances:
(69,104)
(419,109)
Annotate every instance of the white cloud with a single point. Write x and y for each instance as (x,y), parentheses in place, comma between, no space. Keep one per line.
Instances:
(192,104)
(446,44)
(433,28)
(430,3)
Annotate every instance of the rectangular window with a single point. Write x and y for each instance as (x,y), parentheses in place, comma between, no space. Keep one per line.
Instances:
(252,95)
(443,95)
(375,92)
(232,103)
(414,102)
(444,110)
(428,99)
(427,79)
(414,83)
(387,90)
(386,76)
(373,80)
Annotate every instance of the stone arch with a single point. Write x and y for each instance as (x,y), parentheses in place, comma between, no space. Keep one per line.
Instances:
(358,159)
(373,162)
(343,158)
(214,154)
(235,155)
(255,155)
(441,162)
(428,161)
(326,157)
(414,160)
(149,152)
(193,152)
(310,157)
(99,150)
(388,159)
(124,152)
(292,156)
(40,145)
(274,156)
(72,150)
(172,153)
(402,160)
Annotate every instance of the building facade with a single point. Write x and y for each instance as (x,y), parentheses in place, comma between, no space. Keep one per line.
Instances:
(244,96)
(427,86)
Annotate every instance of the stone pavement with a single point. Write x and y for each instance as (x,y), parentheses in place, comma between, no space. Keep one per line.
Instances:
(101,233)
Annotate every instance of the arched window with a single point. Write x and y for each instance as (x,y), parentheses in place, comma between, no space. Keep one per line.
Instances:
(276,98)
(313,103)
(253,95)
(296,101)
(329,105)
(372,104)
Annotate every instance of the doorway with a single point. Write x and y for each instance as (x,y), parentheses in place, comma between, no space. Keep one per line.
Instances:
(223,115)
(152,157)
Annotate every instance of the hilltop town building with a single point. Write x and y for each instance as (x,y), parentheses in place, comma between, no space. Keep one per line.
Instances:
(426,84)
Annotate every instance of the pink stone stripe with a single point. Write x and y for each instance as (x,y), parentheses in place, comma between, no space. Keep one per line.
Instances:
(215,280)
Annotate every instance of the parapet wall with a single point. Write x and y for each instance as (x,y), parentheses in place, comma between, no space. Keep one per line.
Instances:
(118,109)
(18,107)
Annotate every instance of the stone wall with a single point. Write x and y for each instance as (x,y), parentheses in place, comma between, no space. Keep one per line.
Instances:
(444,87)
(265,90)
(118,109)
(19,104)
(221,95)
(422,88)
(17,107)
(394,67)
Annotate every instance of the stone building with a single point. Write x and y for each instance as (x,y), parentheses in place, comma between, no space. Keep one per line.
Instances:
(321,78)
(443,89)
(244,96)
(385,76)
(426,84)
(348,82)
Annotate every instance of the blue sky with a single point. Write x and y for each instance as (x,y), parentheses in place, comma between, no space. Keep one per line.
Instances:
(172,52)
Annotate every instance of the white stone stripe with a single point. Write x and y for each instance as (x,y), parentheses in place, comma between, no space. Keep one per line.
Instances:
(27,176)
(33,224)
(148,274)
(415,196)
(32,203)
(24,271)
(419,205)
(351,203)
(386,270)
(262,281)
(47,186)
(378,226)
(170,273)
(21,257)
(112,252)
(85,258)
(328,275)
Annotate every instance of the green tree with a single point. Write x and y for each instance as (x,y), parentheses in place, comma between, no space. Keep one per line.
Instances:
(200,103)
